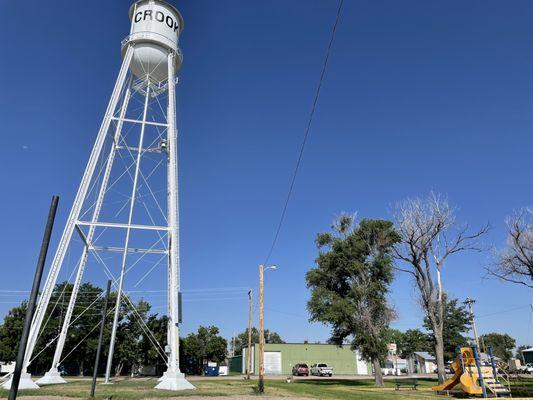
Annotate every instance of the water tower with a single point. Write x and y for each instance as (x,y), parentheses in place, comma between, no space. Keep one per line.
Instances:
(135,146)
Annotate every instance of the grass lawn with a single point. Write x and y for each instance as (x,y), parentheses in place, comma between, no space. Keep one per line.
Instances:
(142,388)
(321,389)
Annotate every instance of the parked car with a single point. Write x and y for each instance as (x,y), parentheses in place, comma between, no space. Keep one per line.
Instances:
(321,370)
(300,369)
(527,369)
(448,368)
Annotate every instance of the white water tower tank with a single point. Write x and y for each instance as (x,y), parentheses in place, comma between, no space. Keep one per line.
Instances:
(155,29)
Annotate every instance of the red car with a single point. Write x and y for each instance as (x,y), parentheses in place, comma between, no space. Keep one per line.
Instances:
(300,369)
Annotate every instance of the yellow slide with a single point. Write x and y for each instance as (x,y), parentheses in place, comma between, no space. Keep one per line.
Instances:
(468,377)
(453,381)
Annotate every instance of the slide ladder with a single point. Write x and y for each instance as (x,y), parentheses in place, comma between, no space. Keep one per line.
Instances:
(496,387)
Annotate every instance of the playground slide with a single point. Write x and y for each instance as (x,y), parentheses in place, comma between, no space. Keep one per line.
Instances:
(469,384)
(468,377)
(454,380)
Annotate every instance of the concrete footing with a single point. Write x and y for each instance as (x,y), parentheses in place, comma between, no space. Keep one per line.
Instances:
(25,382)
(174,381)
(52,377)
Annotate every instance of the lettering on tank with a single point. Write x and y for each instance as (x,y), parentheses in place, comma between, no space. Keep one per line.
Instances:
(158,16)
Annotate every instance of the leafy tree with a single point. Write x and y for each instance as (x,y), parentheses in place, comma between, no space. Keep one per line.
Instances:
(241,341)
(11,332)
(132,349)
(519,350)
(78,346)
(349,286)
(149,354)
(201,347)
(456,322)
(82,338)
(409,341)
(129,337)
(502,344)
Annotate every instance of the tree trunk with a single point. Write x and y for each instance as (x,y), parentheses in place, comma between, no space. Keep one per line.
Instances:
(118,369)
(377,372)
(81,367)
(439,354)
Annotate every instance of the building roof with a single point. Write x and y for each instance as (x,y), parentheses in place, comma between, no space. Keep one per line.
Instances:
(425,355)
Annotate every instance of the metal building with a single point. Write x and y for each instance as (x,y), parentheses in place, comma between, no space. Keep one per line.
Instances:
(280,358)
(118,219)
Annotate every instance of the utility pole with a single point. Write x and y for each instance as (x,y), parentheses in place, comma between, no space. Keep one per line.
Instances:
(470,302)
(233,345)
(262,270)
(249,352)
(261,330)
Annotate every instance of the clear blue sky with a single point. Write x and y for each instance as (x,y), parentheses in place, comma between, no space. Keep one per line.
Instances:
(419,96)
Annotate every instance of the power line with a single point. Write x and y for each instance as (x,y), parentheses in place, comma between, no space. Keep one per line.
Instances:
(503,311)
(309,123)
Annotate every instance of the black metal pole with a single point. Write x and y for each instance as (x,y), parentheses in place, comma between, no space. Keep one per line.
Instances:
(100,338)
(33,299)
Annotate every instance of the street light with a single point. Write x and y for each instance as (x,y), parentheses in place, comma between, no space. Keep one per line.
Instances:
(262,270)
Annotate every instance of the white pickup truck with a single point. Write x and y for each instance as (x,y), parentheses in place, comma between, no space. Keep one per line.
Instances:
(321,370)
(527,369)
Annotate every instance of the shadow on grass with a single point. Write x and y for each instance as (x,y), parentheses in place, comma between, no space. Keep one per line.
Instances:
(423,382)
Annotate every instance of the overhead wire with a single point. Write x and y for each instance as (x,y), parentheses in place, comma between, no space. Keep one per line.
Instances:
(307,131)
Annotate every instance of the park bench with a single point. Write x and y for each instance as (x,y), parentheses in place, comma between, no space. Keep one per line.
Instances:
(412,383)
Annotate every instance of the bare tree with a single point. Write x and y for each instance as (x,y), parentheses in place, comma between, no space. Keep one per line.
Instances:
(514,263)
(430,234)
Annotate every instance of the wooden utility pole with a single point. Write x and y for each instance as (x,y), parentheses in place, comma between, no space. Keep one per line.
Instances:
(261,330)
(249,352)
(469,302)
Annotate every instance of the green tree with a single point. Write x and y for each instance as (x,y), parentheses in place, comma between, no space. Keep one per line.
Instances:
(409,341)
(456,323)
(201,347)
(241,341)
(11,332)
(130,335)
(79,346)
(82,337)
(502,344)
(519,350)
(349,286)
(132,349)
(149,354)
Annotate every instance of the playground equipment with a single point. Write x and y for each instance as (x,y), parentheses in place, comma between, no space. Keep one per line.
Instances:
(475,378)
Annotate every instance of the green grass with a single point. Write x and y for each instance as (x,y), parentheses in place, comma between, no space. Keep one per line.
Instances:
(353,389)
(143,388)
(522,387)
(137,389)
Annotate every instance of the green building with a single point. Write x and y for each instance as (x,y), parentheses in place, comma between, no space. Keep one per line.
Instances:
(527,355)
(280,358)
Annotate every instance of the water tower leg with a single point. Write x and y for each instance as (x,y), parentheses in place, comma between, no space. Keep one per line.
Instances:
(173,379)
(53,377)
(71,223)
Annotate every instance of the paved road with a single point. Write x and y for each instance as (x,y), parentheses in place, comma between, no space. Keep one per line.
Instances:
(283,377)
